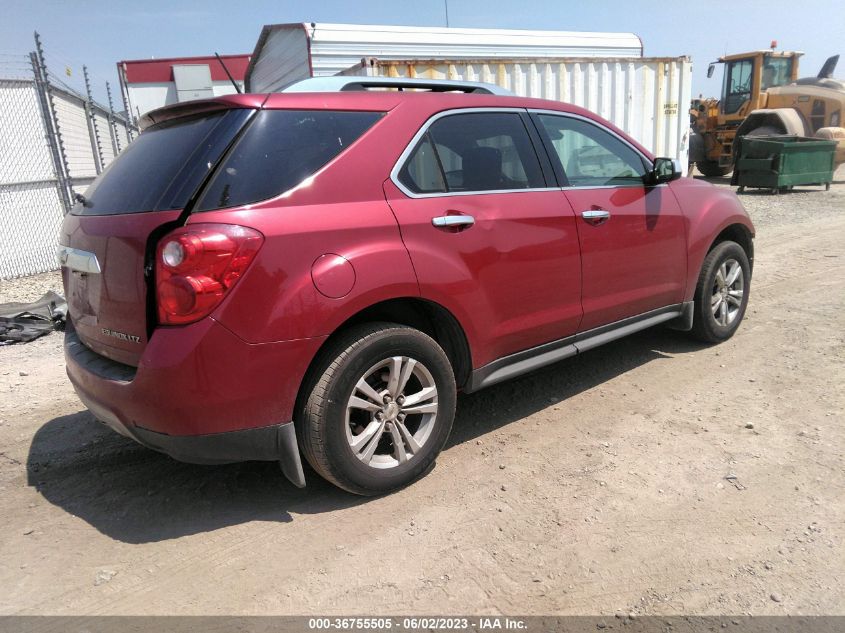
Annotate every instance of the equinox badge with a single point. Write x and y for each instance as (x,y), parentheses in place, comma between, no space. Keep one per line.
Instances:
(123,336)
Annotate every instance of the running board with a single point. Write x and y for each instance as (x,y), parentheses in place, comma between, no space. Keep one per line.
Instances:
(531,359)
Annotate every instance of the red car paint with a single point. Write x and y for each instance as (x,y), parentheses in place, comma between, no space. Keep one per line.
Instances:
(180,381)
(515,276)
(347,238)
(116,298)
(634,263)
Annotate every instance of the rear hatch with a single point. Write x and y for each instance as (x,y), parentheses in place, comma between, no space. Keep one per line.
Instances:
(107,235)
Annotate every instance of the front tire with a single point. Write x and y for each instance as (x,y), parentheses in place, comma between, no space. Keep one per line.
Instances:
(380,408)
(721,295)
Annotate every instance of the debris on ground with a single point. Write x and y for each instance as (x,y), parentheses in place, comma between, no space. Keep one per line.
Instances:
(25,322)
(103,576)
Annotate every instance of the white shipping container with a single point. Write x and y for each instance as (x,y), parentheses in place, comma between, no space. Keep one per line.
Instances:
(286,53)
(645,97)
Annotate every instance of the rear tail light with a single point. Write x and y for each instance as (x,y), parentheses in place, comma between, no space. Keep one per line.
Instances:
(197,265)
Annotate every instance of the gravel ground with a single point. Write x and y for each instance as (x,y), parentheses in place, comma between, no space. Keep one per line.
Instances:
(650,476)
(803,203)
(28,289)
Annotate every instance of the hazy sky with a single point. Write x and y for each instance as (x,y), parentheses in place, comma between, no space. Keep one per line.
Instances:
(100,33)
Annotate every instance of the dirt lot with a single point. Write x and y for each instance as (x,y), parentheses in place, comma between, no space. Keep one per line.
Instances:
(651,476)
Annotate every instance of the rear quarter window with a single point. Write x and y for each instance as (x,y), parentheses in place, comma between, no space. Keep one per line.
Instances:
(163,167)
(279,150)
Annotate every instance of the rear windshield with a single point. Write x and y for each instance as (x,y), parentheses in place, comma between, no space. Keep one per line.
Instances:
(279,150)
(163,167)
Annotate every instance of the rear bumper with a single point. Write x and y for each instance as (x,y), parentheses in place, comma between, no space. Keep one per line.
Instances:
(200,394)
(266,443)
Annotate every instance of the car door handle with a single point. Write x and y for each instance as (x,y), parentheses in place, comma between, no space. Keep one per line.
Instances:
(453,221)
(596,216)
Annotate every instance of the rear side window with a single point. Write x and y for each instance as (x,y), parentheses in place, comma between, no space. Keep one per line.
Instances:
(478,151)
(279,150)
(163,167)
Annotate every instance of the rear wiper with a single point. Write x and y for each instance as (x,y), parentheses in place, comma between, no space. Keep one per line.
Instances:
(82,200)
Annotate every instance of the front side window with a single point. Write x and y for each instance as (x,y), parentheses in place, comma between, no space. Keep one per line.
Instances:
(478,151)
(591,156)
(737,89)
(279,150)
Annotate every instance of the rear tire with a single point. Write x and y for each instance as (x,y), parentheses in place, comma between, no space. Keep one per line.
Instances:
(712,169)
(379,410)
(721,295)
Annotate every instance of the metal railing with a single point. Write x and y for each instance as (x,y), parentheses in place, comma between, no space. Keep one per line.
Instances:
(54,141)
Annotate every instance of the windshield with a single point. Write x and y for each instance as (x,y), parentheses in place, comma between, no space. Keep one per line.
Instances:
(164,166)
(777,71)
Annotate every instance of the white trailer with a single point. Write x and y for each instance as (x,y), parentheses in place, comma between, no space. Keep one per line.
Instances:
(646,97)
(286,53)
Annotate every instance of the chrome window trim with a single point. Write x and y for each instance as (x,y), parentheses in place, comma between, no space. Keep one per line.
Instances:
(631,186)
(486,192)
(406,154)
(646,160)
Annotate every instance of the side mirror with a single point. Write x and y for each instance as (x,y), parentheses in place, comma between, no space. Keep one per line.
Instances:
(664,170)
(710,70)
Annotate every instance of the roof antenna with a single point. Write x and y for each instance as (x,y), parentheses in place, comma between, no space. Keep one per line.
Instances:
(228,74)
(446,4)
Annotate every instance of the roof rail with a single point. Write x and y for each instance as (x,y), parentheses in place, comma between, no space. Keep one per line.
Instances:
(352,83)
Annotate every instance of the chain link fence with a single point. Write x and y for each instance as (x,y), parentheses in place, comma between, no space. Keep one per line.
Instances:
(53,142)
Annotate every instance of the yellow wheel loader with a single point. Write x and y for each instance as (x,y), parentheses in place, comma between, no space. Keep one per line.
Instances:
(762,96)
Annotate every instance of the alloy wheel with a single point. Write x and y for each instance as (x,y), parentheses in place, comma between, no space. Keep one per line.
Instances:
(391,412)
(728,290)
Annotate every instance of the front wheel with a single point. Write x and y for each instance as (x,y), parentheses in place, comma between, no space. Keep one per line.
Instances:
(721,295)
(380,408)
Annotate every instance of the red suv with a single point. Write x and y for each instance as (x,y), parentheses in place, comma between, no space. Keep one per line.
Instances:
(259,276)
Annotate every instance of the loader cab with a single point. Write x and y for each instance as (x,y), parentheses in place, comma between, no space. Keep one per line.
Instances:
(748,75)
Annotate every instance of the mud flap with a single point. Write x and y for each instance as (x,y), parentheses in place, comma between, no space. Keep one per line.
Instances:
(684,322)
(289,458)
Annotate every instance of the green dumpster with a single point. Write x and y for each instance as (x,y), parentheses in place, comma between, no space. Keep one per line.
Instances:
(782,162)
